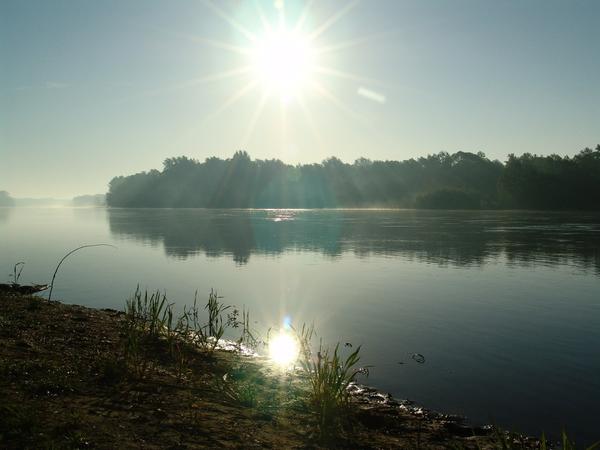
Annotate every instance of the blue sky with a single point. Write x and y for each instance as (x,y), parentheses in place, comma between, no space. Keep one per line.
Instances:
(94,89)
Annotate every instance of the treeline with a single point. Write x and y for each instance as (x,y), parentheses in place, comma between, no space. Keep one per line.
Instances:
(460,180)
(6,199)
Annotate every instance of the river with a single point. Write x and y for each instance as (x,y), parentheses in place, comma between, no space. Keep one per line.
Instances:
(503,306)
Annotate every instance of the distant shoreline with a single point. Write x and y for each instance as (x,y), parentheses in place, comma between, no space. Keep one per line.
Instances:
(116,208)
(460,180)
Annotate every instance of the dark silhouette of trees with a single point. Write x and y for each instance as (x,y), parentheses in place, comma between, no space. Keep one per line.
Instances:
(552,182)
(6,199)
(460,180)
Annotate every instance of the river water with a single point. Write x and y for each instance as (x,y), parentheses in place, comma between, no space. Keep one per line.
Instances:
(503,306)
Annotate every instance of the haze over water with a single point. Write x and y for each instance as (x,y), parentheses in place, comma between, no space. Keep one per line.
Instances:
(504,306)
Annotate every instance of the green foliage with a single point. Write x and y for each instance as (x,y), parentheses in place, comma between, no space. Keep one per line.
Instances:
(205,335)
(148,313)
(151,318)
(329,375)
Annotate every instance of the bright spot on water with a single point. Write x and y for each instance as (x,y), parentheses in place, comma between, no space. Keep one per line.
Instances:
(283,349)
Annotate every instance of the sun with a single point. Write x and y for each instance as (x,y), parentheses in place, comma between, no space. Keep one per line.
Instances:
(283,61)
(284,52)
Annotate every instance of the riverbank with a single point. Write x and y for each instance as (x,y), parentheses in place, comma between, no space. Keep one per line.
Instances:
(66,384)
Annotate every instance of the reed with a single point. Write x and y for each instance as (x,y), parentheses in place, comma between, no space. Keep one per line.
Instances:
(153,316)
(133,348)
(216,326)
(205,336)
(247,337)
(65,257)
(16,275)
(329,375)
(150,313)
(190,324)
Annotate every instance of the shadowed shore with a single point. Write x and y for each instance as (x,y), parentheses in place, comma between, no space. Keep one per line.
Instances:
(65,384)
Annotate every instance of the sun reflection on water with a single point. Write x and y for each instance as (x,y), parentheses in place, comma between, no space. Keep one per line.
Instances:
(284,349)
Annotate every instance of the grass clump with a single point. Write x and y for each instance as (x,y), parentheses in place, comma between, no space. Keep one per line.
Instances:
(329,374)
(148,313)
(150,321)
(205,336)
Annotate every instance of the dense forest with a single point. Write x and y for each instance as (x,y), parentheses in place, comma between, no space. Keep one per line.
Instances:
(460,180)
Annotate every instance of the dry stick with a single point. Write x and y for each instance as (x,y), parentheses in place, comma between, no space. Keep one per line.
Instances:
(66,256)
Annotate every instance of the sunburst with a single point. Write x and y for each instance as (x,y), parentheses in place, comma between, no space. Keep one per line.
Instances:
(284,60)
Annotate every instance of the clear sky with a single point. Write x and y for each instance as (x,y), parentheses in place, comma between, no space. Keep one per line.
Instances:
(94,89)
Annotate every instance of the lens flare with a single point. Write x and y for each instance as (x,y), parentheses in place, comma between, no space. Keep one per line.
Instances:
(283,349)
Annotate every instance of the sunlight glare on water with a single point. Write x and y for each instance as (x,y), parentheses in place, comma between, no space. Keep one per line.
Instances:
(283,349)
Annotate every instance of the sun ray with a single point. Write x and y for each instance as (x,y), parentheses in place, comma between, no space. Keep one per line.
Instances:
(212,42)
(233,73)
(375,136)
(325,93)
(197,125)
(221,45)
(217,76)
(283,125)
(311,124)
(254,119)
(333,19)
(281,15)
(283,59)
(347,75)
(353,42)
(194,38)
(233,98)
(303,15)
(263,19)
(231,21)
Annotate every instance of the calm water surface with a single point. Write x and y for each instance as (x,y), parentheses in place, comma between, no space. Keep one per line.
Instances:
(505,306)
